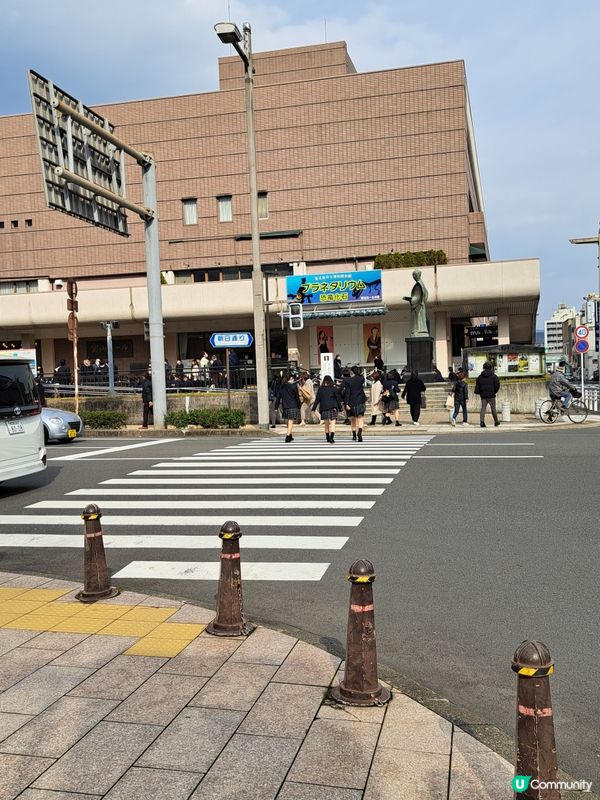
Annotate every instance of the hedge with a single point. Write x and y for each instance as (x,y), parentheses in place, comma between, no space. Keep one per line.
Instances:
(420,258)
(206,418)
(104,419)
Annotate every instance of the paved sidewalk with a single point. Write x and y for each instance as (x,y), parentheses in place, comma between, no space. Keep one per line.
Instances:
(432,421)
(129,699)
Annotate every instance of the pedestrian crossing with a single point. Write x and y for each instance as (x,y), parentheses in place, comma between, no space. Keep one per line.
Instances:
(276,492)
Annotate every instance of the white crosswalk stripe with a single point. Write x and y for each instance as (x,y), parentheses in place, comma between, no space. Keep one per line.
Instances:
(288,489)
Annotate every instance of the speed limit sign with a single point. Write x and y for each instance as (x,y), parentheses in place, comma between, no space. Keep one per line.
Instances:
(582,331)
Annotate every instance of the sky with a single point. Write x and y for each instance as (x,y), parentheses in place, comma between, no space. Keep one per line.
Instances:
(532,70)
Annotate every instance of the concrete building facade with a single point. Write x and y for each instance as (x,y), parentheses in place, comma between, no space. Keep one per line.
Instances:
(350,165)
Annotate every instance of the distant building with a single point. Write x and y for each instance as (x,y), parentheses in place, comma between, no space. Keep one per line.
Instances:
(556,333)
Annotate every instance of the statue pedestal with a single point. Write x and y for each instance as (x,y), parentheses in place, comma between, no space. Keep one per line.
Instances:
(419,355)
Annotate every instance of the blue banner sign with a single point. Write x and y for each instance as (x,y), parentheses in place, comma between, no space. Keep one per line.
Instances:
(242,339)
(335,287)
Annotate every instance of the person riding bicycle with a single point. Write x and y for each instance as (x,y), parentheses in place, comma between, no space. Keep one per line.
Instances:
(560,388)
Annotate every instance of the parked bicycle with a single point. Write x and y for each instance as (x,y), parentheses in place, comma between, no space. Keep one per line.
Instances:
(551,410)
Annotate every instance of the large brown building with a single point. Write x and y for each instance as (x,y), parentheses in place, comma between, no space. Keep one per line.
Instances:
(349,165)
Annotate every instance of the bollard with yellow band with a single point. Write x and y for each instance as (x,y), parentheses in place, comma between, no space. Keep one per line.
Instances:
(360,686)
(229,620)
(536,747)
(96,585)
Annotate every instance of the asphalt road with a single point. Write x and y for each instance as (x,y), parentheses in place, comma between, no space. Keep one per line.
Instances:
(473,554)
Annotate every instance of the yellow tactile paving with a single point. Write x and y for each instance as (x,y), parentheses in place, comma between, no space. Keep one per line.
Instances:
(148,646)
(42,610)
(22,606)
(5,593)
(122,628)
(177,630)
(4,618)
(98,611)
(32,623)
(44,594)
(148,614)
(76,624)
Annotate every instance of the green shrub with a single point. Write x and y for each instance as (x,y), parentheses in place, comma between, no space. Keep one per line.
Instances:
(206,418)
(410,260)
(104,419)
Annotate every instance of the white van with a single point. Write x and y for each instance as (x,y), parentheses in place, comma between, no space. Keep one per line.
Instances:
(22,450)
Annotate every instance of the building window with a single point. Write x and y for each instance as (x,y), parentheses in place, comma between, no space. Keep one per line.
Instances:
(14,223)
(190,211)
(225,207)
(28,223)
(18,287)
(263,205)
(1,224)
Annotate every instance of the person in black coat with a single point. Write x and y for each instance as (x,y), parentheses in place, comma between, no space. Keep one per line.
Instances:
(378,364)
(146,399)
(487,387)
(389,397)
(329,403)
(355,401)
(413,389)
(460,390)
(337,367)
(289,400)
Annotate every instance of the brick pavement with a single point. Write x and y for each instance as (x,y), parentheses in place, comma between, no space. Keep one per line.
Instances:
(129,699)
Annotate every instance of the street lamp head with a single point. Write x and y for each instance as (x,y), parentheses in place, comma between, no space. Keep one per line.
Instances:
(228,32)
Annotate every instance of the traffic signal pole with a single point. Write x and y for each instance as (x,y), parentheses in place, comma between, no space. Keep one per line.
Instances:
(155,317)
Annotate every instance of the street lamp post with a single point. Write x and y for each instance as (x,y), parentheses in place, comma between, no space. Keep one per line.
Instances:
(591,240)
(229,33)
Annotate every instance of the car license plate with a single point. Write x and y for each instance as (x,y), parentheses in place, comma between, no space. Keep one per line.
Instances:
(71,433)
(15,427)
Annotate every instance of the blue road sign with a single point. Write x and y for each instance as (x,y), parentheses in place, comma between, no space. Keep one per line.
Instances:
(582,345)
(240,339)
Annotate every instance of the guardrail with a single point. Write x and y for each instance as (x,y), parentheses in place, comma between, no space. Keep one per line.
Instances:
(591,396)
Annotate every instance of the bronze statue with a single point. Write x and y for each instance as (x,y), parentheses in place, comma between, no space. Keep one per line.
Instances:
(418,313)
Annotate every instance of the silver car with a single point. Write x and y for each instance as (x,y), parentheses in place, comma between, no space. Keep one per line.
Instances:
(64,426)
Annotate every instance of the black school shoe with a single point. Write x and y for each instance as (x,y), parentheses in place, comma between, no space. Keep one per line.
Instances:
(289,438)
(359,435)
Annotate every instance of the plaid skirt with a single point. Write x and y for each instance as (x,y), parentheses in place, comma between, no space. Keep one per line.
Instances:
(357,411)
(391,405)
(331,413)
(291,413)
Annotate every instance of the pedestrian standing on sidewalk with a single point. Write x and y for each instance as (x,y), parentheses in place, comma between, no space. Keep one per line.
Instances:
(307,396)
(413,392)
(389,397)
(487,387)
(329,403)
(146,399)
(289,399)
(355,401)
(460,390)
(376,404)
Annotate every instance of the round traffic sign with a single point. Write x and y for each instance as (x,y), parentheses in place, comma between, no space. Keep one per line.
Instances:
(582,345)
(582,331)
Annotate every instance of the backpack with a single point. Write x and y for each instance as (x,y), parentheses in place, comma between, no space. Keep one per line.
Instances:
(305,393)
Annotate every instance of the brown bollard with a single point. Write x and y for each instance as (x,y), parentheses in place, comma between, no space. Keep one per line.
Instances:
(96,584)
(360,686)
(230,614)
(536,747)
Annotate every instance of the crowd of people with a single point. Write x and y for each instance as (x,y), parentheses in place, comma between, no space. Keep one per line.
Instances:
(343,398)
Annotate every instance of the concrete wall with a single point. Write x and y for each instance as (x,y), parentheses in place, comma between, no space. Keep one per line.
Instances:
(132,405)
